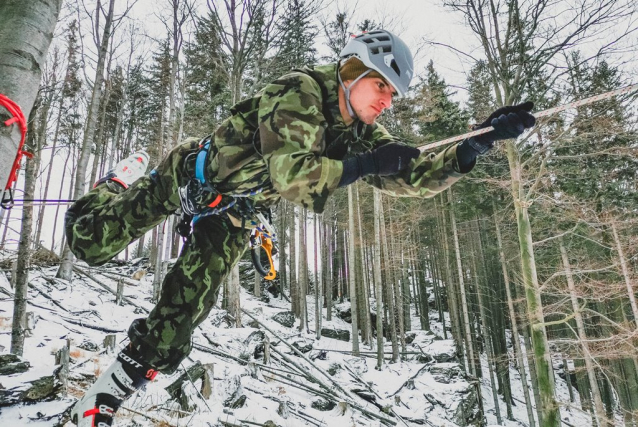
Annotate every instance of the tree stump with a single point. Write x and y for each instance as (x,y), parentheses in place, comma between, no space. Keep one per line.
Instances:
(62,358)
(31,320)
(109,343)
(266,350)
(120,292)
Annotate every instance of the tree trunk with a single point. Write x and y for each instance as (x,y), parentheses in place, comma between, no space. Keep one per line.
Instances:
(303,270)
(452,294)
(464,304)
(234,297)
(582,337)
(318,285)
(65,270)
(549,406)
(352,232)
(27,30)
(514,322)
(625,273)
(283,241)
(376,263)
(24,248)
(294,285)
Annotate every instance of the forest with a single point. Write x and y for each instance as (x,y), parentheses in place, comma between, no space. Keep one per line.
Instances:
(529,264)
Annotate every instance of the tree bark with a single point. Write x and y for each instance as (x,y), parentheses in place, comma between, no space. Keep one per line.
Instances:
(547,388)
(377,277)
(24,248)
(625,272)
(514,322)
(464,304)
(26,30)
(582,337)
(352,280)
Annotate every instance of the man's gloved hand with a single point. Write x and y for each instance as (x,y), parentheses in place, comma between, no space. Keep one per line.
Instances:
(508,122)
(386,160)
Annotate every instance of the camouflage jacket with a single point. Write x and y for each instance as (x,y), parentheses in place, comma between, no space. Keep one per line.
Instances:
(290,139)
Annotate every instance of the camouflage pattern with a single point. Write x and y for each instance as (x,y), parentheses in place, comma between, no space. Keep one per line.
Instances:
(104,221)
(289,141)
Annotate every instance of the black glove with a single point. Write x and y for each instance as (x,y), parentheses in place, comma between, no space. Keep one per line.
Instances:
(508,122)
(388,159)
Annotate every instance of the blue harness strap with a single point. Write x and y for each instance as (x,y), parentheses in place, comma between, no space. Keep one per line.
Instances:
(200,163)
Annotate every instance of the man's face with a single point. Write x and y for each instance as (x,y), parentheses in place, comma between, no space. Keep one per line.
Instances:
(369,97)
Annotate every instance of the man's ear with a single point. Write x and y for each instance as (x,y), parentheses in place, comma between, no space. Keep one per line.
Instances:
(347,83)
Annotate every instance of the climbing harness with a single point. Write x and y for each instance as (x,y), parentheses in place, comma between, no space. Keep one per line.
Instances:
(544,113)
(193,208)
(18,118)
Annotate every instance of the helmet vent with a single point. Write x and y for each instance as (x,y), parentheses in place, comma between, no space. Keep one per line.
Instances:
(395,67)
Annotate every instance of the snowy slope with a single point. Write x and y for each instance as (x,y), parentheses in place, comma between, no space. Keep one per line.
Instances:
(424,389)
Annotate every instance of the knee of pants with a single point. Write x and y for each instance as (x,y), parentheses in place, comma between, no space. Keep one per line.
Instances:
(92,254)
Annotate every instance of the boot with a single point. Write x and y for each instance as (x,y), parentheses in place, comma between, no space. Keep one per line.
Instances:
(99,405)
(127,171)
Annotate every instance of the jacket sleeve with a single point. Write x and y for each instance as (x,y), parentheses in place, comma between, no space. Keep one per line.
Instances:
(427,175)
(292,132)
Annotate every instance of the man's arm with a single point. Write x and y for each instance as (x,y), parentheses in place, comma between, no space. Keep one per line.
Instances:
(291,127)
(425,176)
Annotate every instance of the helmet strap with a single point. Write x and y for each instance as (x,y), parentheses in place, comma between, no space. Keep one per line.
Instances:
(346,91)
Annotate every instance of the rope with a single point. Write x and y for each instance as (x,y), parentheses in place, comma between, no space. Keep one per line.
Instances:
(17,117)
(544,113)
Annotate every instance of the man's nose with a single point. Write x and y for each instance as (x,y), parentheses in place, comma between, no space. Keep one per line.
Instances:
(386,101)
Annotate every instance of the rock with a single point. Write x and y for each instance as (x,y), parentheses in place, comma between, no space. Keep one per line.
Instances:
(466,409)
(270,423)
(12,364)
(321,355)
(345,313)
(334,368)
(442,351)
(338,334)
(89,346)
(234,393)
(254,346)
(409,337)
(321,404)
(424,358)
(302,345)
(358,364)
(283,410)
(444,372)
(43,389)
(285,318)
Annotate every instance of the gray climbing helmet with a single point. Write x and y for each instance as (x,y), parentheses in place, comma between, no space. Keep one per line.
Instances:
(385,53)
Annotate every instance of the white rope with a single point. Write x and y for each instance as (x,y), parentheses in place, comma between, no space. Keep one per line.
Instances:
(543,113)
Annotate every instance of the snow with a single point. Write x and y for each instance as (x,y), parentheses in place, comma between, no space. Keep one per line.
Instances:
(434,394)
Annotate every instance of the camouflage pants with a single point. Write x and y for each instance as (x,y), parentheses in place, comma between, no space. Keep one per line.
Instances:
(104,222)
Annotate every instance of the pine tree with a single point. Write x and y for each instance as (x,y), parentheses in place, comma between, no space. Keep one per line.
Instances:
(207,86)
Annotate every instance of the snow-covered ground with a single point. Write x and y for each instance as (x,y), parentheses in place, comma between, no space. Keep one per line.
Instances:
(423,389)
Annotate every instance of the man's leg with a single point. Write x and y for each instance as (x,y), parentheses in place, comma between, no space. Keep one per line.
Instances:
(108,218)
(189,292)
(161,341)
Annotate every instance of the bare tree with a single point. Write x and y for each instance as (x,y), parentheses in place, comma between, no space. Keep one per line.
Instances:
(102,40)
(247,30)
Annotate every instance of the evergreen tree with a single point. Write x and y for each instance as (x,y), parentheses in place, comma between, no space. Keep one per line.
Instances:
(295,48)
(207,86)
(437,115)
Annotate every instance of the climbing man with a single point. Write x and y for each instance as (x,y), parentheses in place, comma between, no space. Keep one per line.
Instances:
(302,137)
